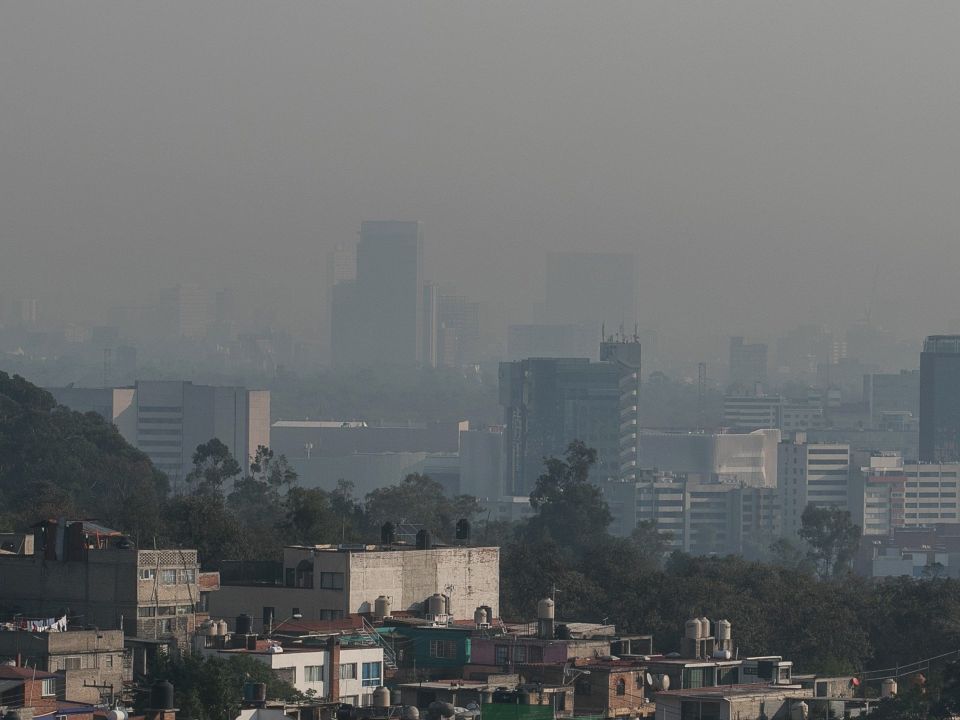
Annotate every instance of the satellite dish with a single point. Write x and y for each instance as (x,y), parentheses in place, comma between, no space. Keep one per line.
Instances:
(649,679)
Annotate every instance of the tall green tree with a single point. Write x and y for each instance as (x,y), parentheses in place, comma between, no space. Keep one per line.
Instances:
(833,538)
(421,500)
(569,508)
(213,467)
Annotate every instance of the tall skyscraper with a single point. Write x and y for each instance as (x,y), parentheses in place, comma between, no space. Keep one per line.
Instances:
(549,402)
(748,366)
(940,399)
(389,292)
(624,353)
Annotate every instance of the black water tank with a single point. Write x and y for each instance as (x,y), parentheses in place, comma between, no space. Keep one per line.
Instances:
(388,533)
(463,529)
(244,624)
(424,540)
(254,693)
(161,695)
(251,642)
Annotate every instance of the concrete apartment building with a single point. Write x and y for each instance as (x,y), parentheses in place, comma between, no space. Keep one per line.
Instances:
(334,671)
(96,574)
(700,517)
(168,419)
(812,473)
(898,494)
(328,582)
(85,658)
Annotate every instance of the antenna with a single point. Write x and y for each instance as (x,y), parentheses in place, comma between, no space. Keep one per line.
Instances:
(701,394)
(107,357)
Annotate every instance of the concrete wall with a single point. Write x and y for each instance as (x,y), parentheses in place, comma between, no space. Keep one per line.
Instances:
(470,576)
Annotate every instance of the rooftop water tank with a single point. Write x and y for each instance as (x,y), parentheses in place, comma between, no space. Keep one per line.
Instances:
(244,624)
(692,629)
(888,688)
(545,609)
(161,695)
(381,697)
(480,617)
(436,605)
(723,630)
(381,607)
(704,627)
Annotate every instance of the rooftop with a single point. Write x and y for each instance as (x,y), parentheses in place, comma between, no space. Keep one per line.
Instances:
(727,691)
(10,672)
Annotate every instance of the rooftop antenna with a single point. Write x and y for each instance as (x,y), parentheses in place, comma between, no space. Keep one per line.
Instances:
(701,394)
(107,357)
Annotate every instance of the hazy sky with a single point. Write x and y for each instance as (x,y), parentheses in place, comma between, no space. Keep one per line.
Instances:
(763,159)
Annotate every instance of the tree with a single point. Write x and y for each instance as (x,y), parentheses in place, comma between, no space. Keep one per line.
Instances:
(212,688)
(57,462)
(832,537)
(275,472)
(570,509)
(421,500)
(213,465)
(650,543)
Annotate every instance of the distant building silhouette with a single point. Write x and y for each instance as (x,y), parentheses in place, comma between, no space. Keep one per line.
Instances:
(940,399)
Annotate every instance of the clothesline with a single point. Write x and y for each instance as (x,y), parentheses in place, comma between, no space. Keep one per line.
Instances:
(36,624)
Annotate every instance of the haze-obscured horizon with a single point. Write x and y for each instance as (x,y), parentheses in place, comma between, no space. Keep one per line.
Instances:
(768,164)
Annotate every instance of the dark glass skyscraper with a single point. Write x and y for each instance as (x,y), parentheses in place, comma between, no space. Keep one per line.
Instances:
(940,399)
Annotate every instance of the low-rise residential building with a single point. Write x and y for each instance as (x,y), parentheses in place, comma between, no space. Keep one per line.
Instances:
(327,582)
(425,651)
(730,702)
(93,663)
(36,693)
(611,688)
(97,573)
(333,668)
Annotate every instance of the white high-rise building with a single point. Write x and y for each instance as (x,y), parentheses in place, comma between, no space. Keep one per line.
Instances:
(168,419)
(811,473)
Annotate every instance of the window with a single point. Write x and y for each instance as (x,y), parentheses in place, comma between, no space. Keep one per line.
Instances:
(331,581)
(372,674)
(168,577)
(304,577)
(520,654)
(313,673)
(188,576)
(348,671)
(443,649)
(146,612)
(535,654)
(70,663)
(167,610)
(621,687)
(147,573)
(165,626)
(49,687)
(108,661)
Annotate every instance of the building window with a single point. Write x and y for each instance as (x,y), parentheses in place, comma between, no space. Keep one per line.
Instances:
(188,577)
(49,687)
(560,701)
(108,661)
(501,654)
(146,612)
(305,574)
(520,654)
(348,671)
(535,654)
(446,649)
(621,687)
(331,581)
(164,610)
(147,573)
(372,674)
(313,673)
(165,626)
(168,577)
(70,663)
